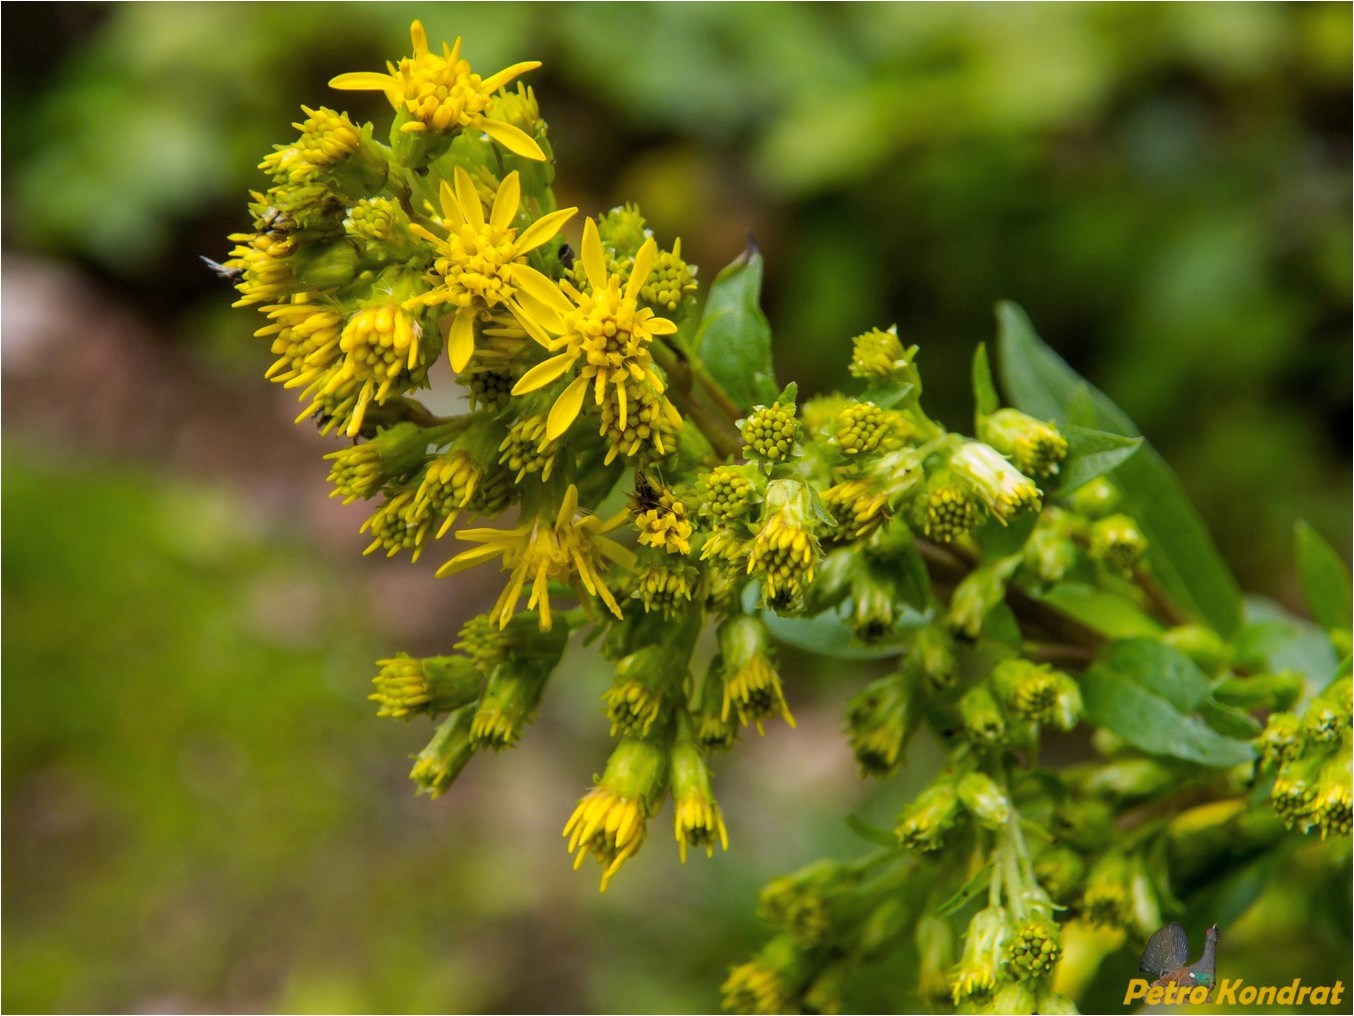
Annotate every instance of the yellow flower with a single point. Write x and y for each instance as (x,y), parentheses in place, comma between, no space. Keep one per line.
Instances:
(381,347)
(441,93)
(481,264)
(572,550)
(603,334)
(610,828)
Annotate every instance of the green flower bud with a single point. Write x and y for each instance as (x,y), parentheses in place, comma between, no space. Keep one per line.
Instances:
(770,432)
(1108,899)
(326,266)
(752,689)
(879,358)
(1014,1000)
(948,507)
(872,606)
(623,230)
(1028,690)
(931,654)
(824,993)
(1281,739)
(1118,543)
(715,728)
(434,684)
(1053,1004)
(801,903)
(671,281)
(392,456)
(863,428)
(1050,553)
(935,944)
(1295,789)
(666,587)
(729,493)
(1130,778)
(697,818)
(1333,806)
(984,959)
(1095,499)
(509,703)
(1000,486)
(769,982)
(985,801)
(878,722)
(976,595)
(1035,948)
(923,823)
(525,451)
(1060,871)
(437,766)
(983,721)
(1067,708)
(399,524)
(1036,448)
(785,553)
(643,687)
(455,482)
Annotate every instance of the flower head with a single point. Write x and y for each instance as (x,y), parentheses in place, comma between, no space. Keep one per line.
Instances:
(768,982)
(601,334)
(435,684)
(752,687)
(572,548)
(662,522)
(610,819)
(1035,948)
(697,818)
(398,525)
(1000,486)
(382,347)
(1036,447)
(925,821)
(439,93)
(984,956)
(481,264)
(441,761)
(1118,542)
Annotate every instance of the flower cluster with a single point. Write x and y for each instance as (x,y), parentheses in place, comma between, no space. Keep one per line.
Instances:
(642,482)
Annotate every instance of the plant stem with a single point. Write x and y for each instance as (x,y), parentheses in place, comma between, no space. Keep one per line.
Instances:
(718,430)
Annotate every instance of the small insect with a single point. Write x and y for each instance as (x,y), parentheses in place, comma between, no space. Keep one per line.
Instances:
(566,257)
(231,275)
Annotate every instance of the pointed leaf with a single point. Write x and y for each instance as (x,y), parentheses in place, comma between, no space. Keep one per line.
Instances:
(1091,454)
(1325,579)
(986,401)
(1179,550)
(734,339)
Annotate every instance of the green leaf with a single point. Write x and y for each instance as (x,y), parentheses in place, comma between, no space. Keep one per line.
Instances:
(1180,552)
(985,398)
(1325,579)
(1092,453)
(1275,640)
(1108,613)
(996,541)
(872,833)
(967,893)
(828,634)
(734,338)
(1229,720)
(1147,694)
(912,580)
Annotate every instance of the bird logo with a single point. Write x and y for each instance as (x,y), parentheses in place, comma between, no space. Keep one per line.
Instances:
(1167,954)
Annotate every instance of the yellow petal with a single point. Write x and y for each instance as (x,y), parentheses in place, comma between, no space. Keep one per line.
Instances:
(567,508)
(362,81)
(451,211)
(594,258)
(639,274)
(660,326)
(565,410)
(468,200)
(461,339)
(518,142)
(496,81)
(543,229)
(543,373)
(506,201)
(419,38)
(534,318)
(538,287)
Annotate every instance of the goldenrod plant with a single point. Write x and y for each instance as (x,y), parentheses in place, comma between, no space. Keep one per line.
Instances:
(631,463)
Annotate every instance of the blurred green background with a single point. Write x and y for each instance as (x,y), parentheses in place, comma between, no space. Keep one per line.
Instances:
(201,811)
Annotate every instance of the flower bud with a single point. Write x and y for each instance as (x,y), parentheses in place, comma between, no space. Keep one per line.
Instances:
(878,722)
(923,823)
(698,820)
(1118,543)
(931,654)
(752,688)
(1000,486)
(862,428)
(438,764)
(976,595)
(1084,823)
(769,982)
(770,432)
(984,958)
(1060,871)
(824,993)
(644,685)
(391,457)
(715,728)
(1067,707)
(983,721)
(985,801)
(1334,800)
(948,507)
(1095,499)
(1129,779)
(610,819)
(509,703)
(1035,948)
(935,944)
(1053,1004)
(1014,999)
(1028,690)
(881,930)
(800,903)
(1036,448)
(1107,899)
(399,524)
(785,553)
(880,359)
(1050,553)
(433,685)
(729,493)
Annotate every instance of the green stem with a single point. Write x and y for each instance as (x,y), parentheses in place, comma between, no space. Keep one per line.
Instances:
(718,430)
